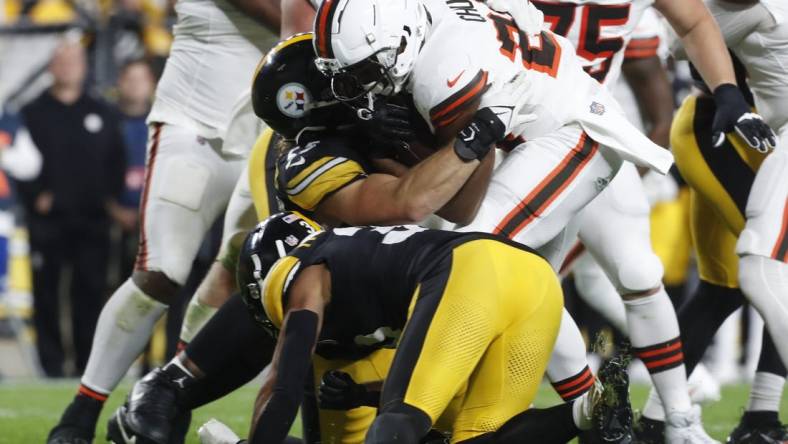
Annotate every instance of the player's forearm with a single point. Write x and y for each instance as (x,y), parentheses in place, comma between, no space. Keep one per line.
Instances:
(431,184)
(462,208)
(292,366)
(701,38)
(267,12)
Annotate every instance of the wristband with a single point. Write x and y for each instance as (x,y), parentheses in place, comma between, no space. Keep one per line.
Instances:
(475,140)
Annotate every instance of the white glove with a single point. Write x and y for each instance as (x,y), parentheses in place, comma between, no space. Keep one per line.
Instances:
(215,432)
(507,103)
(526,16)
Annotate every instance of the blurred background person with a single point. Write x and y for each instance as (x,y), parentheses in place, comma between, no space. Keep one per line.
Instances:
(136,84)
(83,172)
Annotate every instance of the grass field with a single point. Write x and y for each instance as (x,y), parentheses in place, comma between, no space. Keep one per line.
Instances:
(29,409)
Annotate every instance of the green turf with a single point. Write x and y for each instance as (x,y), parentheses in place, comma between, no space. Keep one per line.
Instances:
(29,410)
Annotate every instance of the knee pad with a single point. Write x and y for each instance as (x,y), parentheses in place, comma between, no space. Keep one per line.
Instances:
(643,275)
(156,285)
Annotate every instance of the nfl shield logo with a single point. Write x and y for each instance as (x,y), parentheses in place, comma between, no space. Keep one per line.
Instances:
(597,108)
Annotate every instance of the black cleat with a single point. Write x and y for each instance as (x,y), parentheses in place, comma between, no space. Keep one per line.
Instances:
(78,422)
(649,431)
(150,415)
(612,413)
(774,433)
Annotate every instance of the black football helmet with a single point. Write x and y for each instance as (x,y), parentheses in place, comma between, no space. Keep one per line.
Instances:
(270,240)
(289,93)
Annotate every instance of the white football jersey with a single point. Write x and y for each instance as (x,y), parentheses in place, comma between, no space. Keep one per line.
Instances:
(758,36)
(599,29)
(471,51)
(210,66)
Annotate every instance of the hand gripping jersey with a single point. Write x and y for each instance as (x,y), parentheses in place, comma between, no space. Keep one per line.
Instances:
(374,273)
(471,50)
(210,67)
(599,29)
(321,164)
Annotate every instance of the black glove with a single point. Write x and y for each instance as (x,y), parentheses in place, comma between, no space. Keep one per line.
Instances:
(733,113)
(338,391)
(476,139)
(387,125)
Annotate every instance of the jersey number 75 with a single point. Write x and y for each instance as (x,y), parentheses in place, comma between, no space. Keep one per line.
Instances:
(590,45)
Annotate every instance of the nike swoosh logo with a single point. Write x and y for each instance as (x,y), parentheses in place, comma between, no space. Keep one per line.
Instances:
(451,83)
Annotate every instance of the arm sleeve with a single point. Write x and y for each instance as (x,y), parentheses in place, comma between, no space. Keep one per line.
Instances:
(292,370)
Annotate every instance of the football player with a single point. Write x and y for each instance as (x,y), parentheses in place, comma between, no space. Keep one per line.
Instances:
(570,154)
(738,207)
(322,171)
(462,338)
(188,182)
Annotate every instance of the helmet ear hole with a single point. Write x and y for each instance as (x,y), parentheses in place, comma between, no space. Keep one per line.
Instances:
(403,43)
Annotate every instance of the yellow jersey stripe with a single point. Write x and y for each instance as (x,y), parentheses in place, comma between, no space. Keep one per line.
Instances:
(306,173)
(338,176)
(275,286)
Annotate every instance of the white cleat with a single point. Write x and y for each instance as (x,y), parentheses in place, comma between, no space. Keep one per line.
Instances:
(686,428)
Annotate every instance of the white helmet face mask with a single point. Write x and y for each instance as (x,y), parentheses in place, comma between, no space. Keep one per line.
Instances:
(371,48)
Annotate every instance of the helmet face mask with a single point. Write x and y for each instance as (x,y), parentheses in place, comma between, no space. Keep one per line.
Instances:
(368,76)
(371,47)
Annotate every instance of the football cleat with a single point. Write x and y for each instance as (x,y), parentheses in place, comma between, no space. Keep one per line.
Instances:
(686,428)
(612,413)
(151,413)
(78,422)
(775,433)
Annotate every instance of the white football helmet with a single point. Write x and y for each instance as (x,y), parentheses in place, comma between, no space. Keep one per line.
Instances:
(368,46)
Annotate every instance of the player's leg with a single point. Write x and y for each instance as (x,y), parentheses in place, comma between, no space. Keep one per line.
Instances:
(505,381)
(763,245)
(597,291)
(219,283)
(761,416)
(533,195)
(615,229)
(228,352)
(187,186)
(448,332)
(454,338)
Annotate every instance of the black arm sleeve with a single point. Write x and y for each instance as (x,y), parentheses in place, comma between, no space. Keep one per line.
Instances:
(291,371)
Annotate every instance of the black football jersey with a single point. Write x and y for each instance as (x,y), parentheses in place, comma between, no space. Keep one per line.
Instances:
(374,273)
(322,163)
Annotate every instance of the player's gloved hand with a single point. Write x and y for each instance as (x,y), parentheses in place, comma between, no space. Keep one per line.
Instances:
(733,113)
(338,391)
(493,122)
(387,126)
(659,187)
(215,432)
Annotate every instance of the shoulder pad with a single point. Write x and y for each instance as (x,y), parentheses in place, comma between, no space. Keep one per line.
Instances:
(309,173)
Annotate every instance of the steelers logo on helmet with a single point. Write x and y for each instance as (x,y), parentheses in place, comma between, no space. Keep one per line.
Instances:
(292,100)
